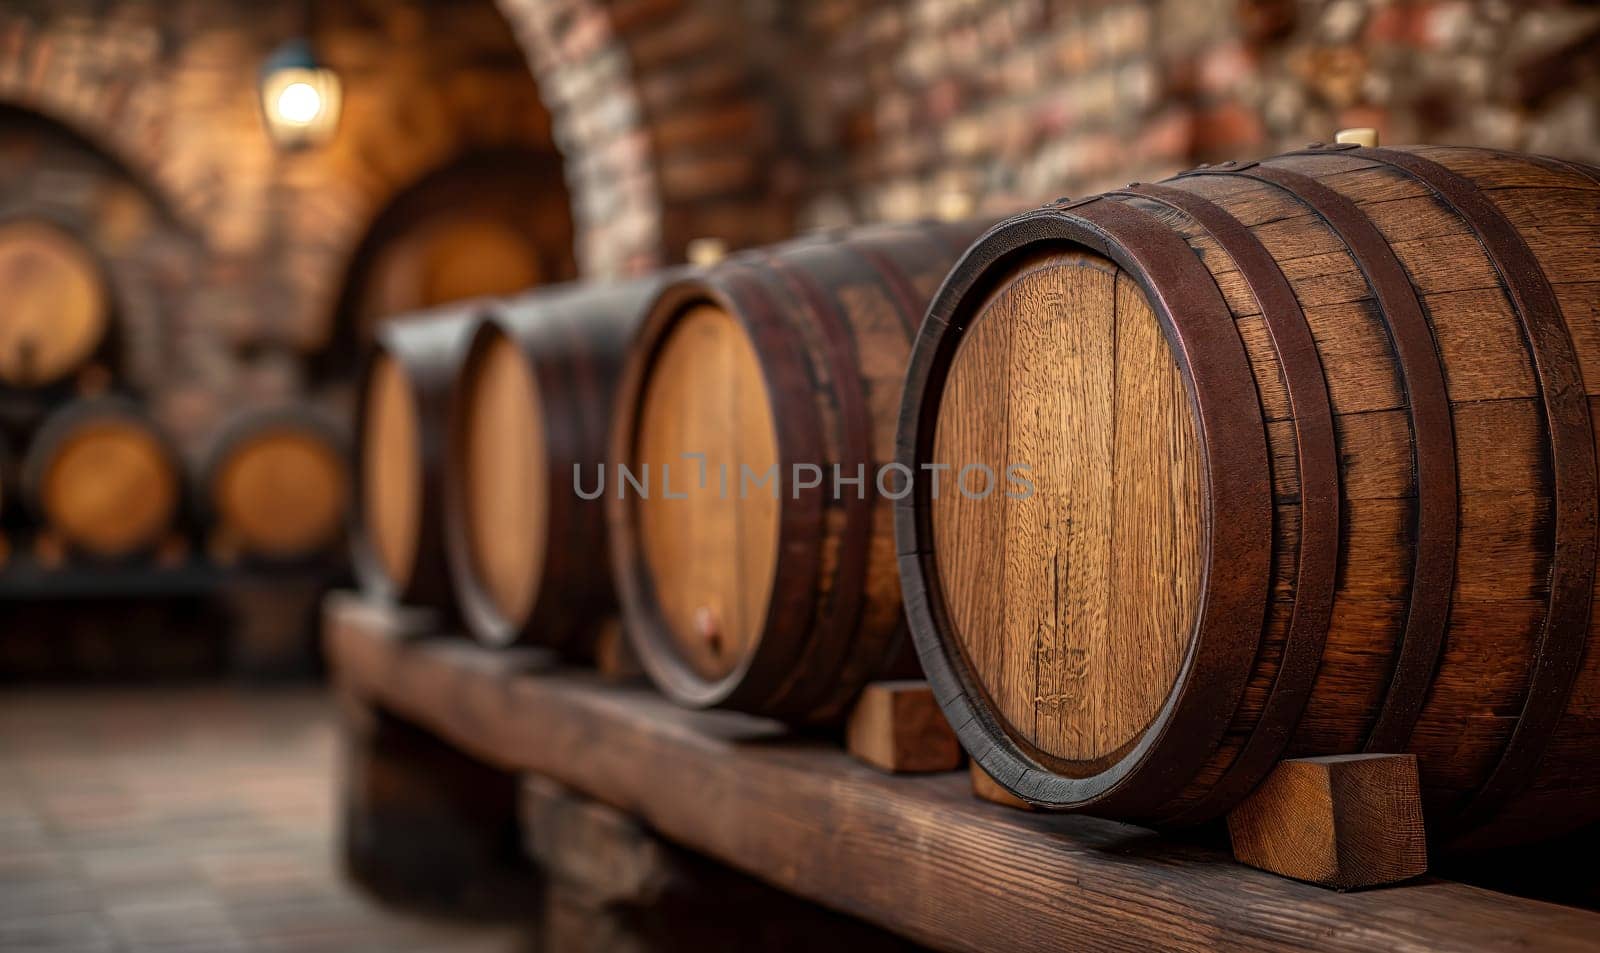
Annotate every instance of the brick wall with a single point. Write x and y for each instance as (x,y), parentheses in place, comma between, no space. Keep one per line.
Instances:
(1003,103)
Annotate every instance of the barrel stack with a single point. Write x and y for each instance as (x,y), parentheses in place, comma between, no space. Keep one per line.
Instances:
(749,578)
(1308,467)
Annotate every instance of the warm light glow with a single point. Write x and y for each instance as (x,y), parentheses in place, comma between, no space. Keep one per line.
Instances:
(299,103)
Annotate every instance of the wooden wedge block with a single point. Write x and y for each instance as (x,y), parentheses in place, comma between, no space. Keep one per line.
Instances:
(897,726)
(1345,821)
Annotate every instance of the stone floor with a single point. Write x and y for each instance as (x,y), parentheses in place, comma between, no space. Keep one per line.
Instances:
(185,819)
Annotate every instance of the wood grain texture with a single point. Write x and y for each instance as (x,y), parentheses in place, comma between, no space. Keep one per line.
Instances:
(1089,587)
(791,355)
(923,858)
(896,726)
(103,479)
(1344,821)
(1444,304)
(56,309)
(710,544)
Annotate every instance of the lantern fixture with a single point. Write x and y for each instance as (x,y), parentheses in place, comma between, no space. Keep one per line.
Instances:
(300,100)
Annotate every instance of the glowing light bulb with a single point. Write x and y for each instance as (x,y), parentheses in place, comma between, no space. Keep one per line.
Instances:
(299,103)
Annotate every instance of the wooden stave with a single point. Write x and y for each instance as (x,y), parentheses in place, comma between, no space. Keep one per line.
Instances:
(58,427)
(924,613)
(789,300)
(428,348)
(235,433)
(1567,775)
(573,338)
(1476,817)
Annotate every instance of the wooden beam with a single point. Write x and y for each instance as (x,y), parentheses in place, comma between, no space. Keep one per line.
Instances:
(917,855)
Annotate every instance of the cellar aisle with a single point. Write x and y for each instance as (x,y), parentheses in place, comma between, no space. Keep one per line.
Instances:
(195,819)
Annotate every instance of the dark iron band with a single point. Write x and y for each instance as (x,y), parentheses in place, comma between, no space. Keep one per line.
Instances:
(842,606)
(1562,638)
(1433,443)
(1318,561)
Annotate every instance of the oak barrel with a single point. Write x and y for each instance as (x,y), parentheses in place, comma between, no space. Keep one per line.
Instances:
(1311,446)
(55,311)
(403,400)
(103,478)
(532,402)
(275,485)
(742,586)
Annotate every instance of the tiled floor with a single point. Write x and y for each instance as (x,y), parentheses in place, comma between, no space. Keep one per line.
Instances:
(187,819)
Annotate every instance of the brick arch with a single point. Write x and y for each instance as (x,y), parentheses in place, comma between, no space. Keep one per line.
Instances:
(98,107)
(670,121)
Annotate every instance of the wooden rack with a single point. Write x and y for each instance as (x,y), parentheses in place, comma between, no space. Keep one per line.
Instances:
(919,856)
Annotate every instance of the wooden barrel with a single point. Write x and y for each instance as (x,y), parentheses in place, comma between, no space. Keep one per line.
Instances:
(101,478)
(275,487)
(55,311)
(742,586)
(532,402)
(397,535)
(1310,457)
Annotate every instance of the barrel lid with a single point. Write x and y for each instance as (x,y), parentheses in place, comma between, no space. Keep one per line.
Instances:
(56,306)
(390,473)
(705,449)
(104,477)
(279,484)
(1067,530)
(1032,685)
(499,486)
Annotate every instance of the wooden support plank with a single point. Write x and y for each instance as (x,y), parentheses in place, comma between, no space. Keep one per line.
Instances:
(896,726)
(612,884)
(1344,821)
(917,855)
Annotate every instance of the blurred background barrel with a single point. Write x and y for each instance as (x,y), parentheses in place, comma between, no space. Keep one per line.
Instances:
(740,587)
(275,486)
(1311,451)
(103,481)
(527,554)
(397,538)
(57,312)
